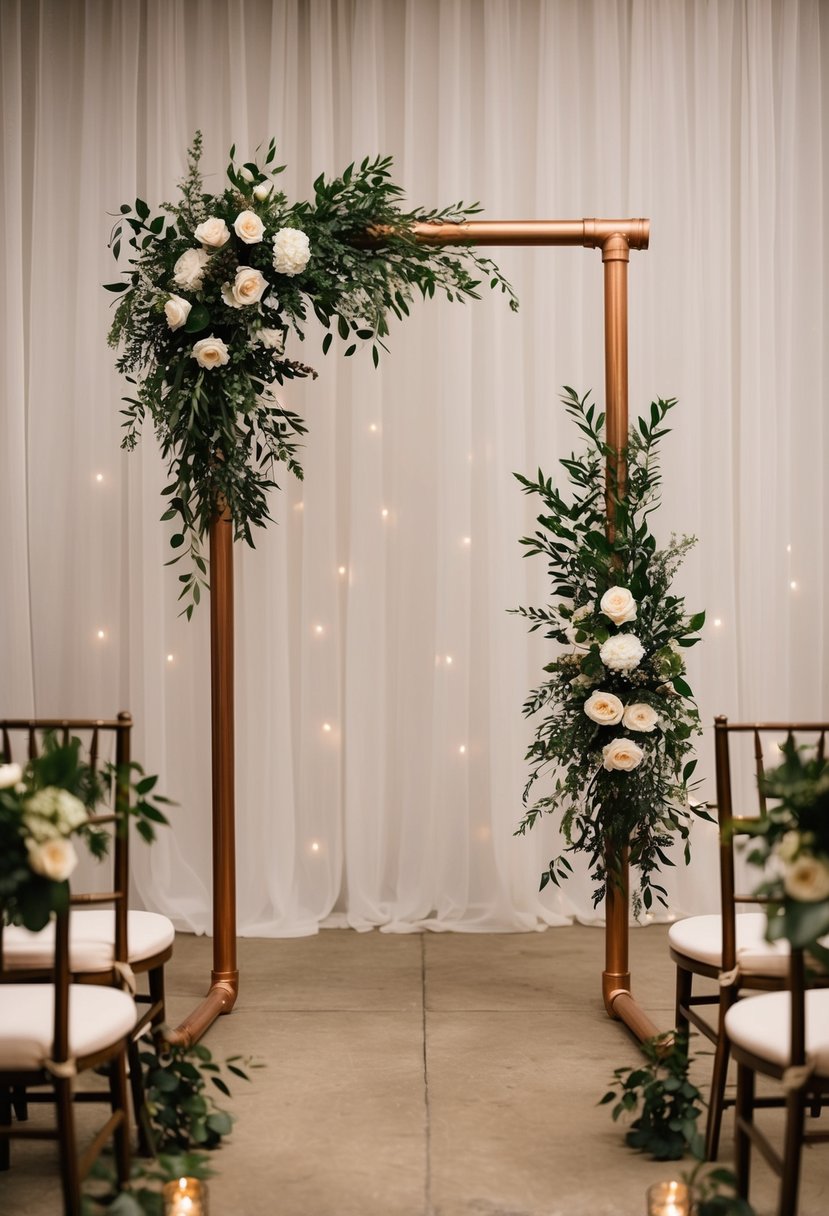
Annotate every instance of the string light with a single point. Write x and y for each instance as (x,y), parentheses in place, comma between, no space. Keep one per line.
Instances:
(385,512)
(319,629)
(326,726)
(99,477)
(298,506)
(793,585)
(467,540)
(462,749)
(315,846)
(373,428)
(341,570)
(788,548)
(449,660)
(101,634)
(169,658)
(717,622)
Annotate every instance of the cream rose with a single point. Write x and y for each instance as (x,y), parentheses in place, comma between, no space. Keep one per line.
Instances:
(274,339)
(604,708)
(10,775)
(789,846)
(247,288)
(807,879)
(622,754)
(640,717)
(210,352)
(291,251)
(619,605)
(177,311)
(55,859)
(213,232)
(622,652)
(188,271)
(249,227)
(263,191)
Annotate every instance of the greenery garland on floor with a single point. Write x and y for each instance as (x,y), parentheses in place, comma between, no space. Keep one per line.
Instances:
(616,713)
(217,284)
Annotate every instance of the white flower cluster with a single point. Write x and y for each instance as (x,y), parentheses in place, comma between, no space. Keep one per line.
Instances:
(607,709)
(49,816)
(805,876)
(292,251)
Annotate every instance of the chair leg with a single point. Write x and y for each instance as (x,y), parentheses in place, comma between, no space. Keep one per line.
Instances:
(67,1145)
(790,1181)
(155,979)
(744,1118)
(719,1075)
(145,1148)
(120,1102)
(20,1103)
(684,986)
(5,1121)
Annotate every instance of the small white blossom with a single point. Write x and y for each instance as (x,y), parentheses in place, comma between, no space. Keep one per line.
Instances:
(10,775)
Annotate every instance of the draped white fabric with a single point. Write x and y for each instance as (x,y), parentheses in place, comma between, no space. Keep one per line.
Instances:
(707,117)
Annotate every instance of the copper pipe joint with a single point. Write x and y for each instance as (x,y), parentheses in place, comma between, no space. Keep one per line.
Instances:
(626,1009)
(588,233)
(220,998)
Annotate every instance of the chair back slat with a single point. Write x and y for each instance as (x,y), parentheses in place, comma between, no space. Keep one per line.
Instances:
(32,741)
(93,748)
(729,823)
(7,746)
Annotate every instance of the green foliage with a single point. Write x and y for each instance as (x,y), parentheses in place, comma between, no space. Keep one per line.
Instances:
(222,430)
(646,805)
(665,1102)
(46,803)
(794,833)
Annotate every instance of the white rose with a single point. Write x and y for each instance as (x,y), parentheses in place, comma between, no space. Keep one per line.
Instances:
(571,629)
(55,859)
(274,339)
(263,191)
(10,775)
(622,652)
(213,232)
(248,227)
(177,311)
(789,846)
(291,251)
(188,271)
(807,879)
(604,708)
(619,605)
(210,352)
(247,288)
(622,754)
(640,717)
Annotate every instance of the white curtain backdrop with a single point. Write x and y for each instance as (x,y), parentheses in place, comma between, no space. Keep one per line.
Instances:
(708,117)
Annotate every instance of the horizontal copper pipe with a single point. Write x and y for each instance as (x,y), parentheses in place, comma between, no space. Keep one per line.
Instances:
(587,233)
(624,1007)
(220,998)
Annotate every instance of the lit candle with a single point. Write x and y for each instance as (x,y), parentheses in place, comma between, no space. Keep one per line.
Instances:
(668,1199)
(187,1197)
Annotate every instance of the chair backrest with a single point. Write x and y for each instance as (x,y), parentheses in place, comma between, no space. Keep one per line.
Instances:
(21,739)
(762,733)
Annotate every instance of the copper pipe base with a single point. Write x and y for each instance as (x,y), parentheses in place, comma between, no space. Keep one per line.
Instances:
(220,998)
(623,1006)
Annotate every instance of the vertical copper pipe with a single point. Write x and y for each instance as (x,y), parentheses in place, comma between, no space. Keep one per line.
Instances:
(224,978)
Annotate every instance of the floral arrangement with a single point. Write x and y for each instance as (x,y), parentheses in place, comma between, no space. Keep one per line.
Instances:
(215,287)
(617,714)
(792,844)
(42,807)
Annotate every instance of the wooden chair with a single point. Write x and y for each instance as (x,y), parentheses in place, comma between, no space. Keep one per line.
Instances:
(50,1033)
(729,947)
(783,1035)
(107,945)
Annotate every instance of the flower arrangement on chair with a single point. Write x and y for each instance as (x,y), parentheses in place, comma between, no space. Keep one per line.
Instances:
(617,714)
(43,805)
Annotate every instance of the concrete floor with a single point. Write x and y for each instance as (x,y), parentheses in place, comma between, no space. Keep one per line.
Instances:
(424,1075)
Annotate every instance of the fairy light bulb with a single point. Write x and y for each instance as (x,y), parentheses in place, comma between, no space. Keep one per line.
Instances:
(170,658)
(717,622)
(101,634)
(385,512)
(449,660)
(319,630)
(99,477)
(462,749)
(326,726)
(467,541)
(341,570)
(793,584)
(315,846)
(373,428)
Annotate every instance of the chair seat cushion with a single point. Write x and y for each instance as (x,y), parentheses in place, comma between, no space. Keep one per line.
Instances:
(92,936)
(761,1024)
(98,1017)
(700,938)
